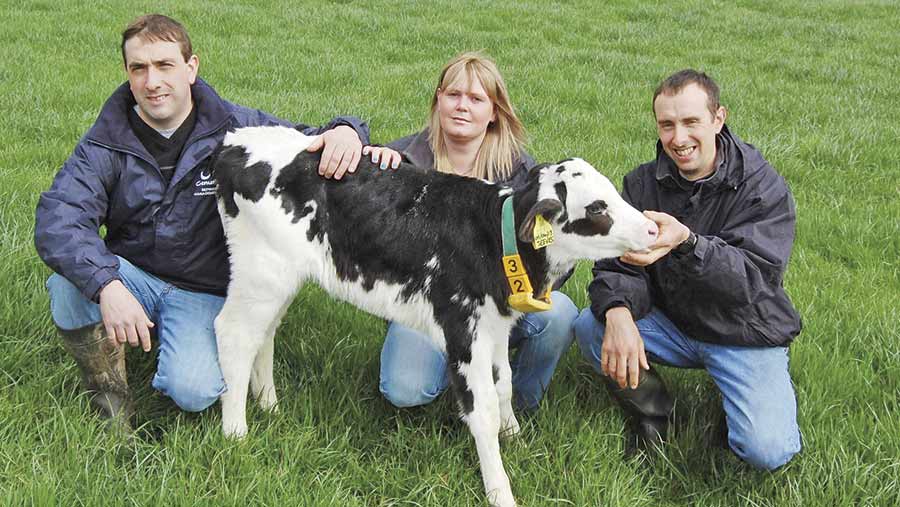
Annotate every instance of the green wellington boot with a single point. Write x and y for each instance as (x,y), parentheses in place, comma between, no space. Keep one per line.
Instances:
(103,375)
(649,408)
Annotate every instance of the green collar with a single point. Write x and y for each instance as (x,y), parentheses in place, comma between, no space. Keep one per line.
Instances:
(522,294)
(508,227)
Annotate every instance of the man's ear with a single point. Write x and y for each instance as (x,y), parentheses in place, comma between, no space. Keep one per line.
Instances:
(719,118)
(193,64)
(548,208)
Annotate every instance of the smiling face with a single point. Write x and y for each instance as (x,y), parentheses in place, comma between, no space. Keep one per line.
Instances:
(687,130)
(465,110)
(160,80)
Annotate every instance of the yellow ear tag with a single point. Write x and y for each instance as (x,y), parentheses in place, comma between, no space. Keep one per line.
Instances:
(543,233)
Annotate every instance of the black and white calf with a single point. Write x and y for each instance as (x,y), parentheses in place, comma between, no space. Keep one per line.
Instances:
(418,247)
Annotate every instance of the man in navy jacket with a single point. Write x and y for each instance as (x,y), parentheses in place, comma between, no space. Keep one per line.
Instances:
(142,172)
(709,293)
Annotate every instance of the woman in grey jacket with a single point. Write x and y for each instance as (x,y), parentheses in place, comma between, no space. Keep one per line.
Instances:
(472,131)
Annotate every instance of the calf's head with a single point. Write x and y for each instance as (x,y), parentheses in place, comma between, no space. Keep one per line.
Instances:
(590,220)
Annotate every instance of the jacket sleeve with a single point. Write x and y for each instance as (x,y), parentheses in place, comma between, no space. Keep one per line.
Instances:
(616,283)
(519,177)
(68,220)
(361,127)
(749,256)
(526,161)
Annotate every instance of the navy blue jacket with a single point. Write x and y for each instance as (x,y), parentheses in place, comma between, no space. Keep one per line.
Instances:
(173,232)
(729,290)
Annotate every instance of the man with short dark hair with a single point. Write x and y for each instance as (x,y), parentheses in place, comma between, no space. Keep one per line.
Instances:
(709,293)
(142,171)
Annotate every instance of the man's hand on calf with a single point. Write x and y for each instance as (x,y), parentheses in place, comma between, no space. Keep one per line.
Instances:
(671,234)
(341,153)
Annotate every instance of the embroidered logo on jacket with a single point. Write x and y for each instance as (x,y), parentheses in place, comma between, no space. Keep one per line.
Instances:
(205,185)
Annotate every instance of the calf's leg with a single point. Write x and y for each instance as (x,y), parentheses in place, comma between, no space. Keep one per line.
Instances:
(509,426)
(476,393)
(245,328)
(262,383)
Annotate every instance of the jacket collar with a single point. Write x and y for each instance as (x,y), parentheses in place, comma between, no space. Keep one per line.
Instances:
(112,129)
(419,150)
(730,169)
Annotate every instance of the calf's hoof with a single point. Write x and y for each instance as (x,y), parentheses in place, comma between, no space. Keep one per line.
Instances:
(510,429)
(234,431)
(499,498)
(268,401)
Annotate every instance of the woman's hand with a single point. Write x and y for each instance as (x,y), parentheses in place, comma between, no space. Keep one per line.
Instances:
(387,156)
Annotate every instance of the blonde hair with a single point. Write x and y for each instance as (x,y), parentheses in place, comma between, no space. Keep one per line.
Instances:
(505,137)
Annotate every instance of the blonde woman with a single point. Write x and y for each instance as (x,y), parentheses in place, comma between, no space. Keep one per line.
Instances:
(472,131)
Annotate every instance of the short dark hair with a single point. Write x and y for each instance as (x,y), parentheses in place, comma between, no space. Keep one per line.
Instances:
(157,27)
(679,80)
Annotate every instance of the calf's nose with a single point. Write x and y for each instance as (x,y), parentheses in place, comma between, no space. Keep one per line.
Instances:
(652,229)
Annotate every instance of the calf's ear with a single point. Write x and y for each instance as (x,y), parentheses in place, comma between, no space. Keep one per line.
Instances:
(548,208)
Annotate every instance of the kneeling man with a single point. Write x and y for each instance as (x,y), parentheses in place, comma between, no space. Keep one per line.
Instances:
(161,268)
(709,293)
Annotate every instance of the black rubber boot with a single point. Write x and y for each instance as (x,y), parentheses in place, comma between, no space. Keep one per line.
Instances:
(103,374)
(648,406)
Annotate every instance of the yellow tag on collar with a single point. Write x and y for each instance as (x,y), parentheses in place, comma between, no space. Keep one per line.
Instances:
(521,298)
(526,303)
(543,233)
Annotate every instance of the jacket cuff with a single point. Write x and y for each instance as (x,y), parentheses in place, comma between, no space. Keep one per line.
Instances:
(599,310)
(361,128)
(693,262)
(101,278)
(701,247)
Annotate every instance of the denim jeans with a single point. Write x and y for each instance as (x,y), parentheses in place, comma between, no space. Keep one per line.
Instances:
(188,363)
(757,393)
(414,370)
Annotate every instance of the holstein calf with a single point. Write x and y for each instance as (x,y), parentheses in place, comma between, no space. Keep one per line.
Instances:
(418,247)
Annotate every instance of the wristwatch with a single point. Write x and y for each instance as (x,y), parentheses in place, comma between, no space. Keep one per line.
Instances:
(686,246)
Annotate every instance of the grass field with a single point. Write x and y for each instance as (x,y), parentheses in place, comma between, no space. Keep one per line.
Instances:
(812,84)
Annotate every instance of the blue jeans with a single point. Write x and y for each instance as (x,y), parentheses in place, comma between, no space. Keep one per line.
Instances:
(757,393)
(188,363)
(414,370)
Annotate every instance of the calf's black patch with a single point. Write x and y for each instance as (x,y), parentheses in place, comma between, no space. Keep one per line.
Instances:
(234,177)
(461,390)
(596,222)
(561,193)
(590,227)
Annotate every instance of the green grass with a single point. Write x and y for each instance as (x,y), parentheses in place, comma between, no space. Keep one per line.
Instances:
(813,84)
